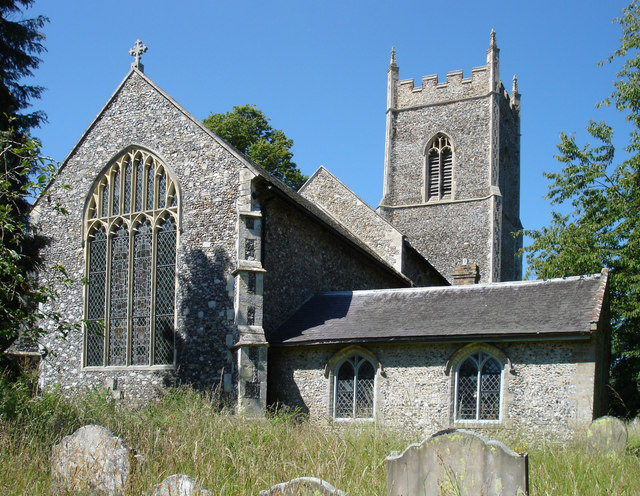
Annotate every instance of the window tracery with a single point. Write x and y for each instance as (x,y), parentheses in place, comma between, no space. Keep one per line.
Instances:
(354,384)
(131,264)
(478,387)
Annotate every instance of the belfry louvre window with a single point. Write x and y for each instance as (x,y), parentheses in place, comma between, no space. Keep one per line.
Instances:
(439,168)
(354,383)
(478,385)
(131,227)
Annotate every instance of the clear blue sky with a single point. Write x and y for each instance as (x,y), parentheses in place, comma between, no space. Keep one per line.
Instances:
(318,69)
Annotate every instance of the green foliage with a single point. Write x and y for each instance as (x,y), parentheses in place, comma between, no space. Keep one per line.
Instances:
(20,43)
(602,227)
(23,174)
(248,130)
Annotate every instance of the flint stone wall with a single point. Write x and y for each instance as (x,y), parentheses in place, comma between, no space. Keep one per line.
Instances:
(324,189)
(446,233)
(207,175)
(550,391)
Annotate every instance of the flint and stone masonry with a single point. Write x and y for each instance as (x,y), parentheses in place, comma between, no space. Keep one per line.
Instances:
(475,219)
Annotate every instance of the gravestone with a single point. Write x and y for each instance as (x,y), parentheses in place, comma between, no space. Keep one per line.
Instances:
(303,486)
(180,485)
(457,462)
(607,435)
(92,459)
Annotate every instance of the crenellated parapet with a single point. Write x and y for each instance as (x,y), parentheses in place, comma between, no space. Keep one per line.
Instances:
(459,201)
(433,92)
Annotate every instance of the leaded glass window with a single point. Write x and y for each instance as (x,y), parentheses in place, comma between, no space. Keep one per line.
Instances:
(439,168)
(478,387)
(131,265)
(354,384)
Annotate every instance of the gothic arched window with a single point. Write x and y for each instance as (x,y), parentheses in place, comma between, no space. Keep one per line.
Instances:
(478,387)
(439,168)
(131,225)
(354,381)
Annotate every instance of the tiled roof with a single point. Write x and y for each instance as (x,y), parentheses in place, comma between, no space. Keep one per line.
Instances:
(543,308)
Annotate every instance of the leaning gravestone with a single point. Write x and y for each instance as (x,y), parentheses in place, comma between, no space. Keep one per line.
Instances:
(303,486)
(180,485)
(457,462)
(607,435)
(92,459)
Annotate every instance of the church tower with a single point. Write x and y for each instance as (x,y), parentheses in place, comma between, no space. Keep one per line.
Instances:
(452,168)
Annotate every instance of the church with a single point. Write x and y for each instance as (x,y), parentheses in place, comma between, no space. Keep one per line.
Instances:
(193,265)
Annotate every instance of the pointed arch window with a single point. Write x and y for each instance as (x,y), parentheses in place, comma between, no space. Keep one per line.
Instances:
(439,168)
(131,225)
(478,387)
(354,385)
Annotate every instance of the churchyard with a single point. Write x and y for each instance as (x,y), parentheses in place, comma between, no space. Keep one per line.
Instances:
(186,432)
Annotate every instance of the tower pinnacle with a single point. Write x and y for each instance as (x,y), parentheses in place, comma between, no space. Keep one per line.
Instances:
(393,62)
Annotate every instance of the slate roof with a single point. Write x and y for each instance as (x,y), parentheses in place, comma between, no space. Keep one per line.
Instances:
(567,307)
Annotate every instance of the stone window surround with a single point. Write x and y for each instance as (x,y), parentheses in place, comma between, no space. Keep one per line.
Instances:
(454,364)
(330,372)
(156,216)
(426,197)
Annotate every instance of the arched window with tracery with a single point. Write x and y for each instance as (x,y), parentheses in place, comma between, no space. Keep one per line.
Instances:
(478,387)
(131,237)
(354,385)
(439,168)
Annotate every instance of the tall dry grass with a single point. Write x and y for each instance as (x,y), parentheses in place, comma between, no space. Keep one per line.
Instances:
(185,432)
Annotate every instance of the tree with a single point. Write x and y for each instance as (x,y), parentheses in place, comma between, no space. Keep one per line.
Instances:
(602,228)
(20,43)
(248,130)
(23,175)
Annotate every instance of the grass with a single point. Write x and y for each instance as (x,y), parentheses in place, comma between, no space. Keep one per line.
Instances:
(185,432)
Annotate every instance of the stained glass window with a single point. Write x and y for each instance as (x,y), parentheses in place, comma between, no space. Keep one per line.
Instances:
(139,184)
(478,383)
(142,266)
(354,384)
(162,189)
(150,176)
(128,322)
(127,187)
(96,298)
(165,292)
(116,193)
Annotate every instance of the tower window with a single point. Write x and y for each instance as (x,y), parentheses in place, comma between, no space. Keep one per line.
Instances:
(131,264)
(439,168)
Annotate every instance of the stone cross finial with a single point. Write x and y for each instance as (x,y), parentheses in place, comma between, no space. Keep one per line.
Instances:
(138,49)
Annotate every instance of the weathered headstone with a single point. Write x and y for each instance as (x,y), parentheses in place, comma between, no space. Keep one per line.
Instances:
(180,485)
(92,459)
(607,435)
(457,462)
(303,486)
